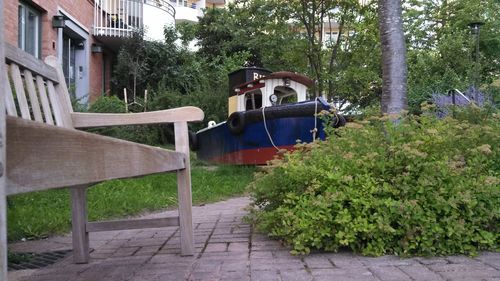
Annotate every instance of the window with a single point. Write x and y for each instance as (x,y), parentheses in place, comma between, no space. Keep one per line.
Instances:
(331,37)
(29,29)
(253,100)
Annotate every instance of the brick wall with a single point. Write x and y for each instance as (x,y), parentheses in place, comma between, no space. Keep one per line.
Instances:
(81,10)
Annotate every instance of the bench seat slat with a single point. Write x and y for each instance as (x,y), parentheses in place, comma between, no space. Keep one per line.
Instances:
(35,105)
(47,112)
(20,94)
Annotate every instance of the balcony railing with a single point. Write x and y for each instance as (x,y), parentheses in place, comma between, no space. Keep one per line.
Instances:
(162,5)
(120,18)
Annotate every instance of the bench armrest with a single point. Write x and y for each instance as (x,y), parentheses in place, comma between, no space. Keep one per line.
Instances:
(181,114)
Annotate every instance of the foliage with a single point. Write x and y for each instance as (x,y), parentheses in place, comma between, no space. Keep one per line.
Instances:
(40,214)
(174,75)
(441,48)
(273,34)
(147,134)
(257,27)
(424,186)
(106,104)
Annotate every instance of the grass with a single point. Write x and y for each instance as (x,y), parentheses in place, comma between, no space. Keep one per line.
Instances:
(41,214)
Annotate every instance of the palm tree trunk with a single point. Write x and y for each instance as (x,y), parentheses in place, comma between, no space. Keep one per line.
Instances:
(394,68)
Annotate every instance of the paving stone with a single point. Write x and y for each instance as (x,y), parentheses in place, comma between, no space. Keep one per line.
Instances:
(235,266)
(235,276)
(148,250)
(237,247)
(48,278)
(158,269)
(205,226)
(204,276)
(285,254)
(222,254)
(289,264)
(207,265)
(219,230)
(345,260)
(163,234)
(230,234)
(145,278)
(125,252)
(490,258)
(389,273)
(229,239)
(225,256)
(145,242)
(216,247)
(462,260)
(261,255)
(419,272)
(465,271)
(171,258)
(265,275)
(358,274)
(172,276)
(119,273)
(139,260)
(296,275)
(386,261)
(100,255)
(68,268)
(262,264)
(429,261)
(318,262)
(102,235)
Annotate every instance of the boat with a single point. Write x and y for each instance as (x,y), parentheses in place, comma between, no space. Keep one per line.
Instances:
(267,112)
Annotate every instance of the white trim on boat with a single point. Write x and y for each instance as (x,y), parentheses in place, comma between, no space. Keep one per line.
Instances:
(207,128)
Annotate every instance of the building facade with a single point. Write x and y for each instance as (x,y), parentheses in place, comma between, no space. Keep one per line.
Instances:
(85,35)
(190,10)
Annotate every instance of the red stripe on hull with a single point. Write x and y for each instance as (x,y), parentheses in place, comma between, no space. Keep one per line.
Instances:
(258,156)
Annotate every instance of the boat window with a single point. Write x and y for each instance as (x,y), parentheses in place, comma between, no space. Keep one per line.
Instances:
(253,100)
(285,95)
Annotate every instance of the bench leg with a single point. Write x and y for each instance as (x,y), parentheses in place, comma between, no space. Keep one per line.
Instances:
(79,220)
(184,191)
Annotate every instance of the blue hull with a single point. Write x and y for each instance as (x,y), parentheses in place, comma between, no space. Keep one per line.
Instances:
(218,144)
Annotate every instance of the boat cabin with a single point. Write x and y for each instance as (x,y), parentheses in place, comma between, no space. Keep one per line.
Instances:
(254,88)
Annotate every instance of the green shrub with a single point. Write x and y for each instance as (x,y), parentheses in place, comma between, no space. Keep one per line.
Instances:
(421,187)
(105,104)
(147,134)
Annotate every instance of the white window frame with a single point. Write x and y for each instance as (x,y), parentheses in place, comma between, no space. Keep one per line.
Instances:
(23,10)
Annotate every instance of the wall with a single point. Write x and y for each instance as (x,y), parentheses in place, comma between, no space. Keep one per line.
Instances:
(81,10)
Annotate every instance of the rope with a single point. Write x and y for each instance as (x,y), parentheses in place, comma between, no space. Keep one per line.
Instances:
(267,131)
(315,130)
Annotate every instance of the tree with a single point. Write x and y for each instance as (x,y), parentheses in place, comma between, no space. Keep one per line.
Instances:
(441,46)
(394,68)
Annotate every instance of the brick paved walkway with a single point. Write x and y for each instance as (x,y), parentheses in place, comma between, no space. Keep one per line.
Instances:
(227,249)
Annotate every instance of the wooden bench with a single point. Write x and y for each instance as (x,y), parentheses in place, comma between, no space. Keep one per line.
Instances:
(45,151)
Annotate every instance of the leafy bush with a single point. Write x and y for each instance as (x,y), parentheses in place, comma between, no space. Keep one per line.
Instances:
(106,104)
(147,134)
(422,187)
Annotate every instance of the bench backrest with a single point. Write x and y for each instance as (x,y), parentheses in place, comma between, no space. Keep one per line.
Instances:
(36,90)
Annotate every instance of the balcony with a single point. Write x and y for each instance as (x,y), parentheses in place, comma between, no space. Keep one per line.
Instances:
(115,20)
(187,10)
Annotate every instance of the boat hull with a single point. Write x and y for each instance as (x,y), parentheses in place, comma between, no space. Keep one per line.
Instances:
(255,145)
